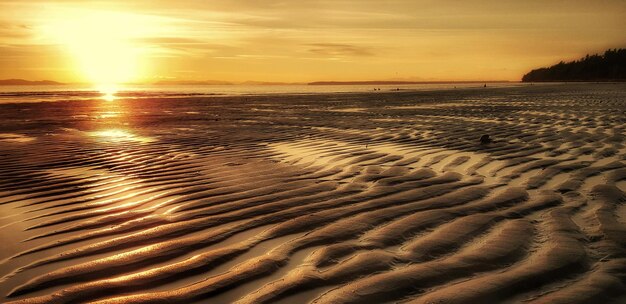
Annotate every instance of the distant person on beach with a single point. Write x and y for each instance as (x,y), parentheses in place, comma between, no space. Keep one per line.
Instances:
(485,85)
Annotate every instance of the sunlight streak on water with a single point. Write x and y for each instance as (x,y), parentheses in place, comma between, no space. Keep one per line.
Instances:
(118,135)
(108,92)
(16,138)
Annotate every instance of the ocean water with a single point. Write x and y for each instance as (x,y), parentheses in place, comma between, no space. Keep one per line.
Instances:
(43,93)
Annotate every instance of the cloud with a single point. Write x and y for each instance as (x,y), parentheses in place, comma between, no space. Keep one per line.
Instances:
(168,40)
(14,32)
(337,49)
(310,40)
(179,43)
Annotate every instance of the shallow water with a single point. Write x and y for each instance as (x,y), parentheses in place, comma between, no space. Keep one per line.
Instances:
(10,94)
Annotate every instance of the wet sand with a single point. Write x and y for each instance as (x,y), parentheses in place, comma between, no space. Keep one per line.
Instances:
(379,197)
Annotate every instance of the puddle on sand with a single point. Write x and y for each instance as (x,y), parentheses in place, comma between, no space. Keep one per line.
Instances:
(348,110)
(119,135)
(15,138)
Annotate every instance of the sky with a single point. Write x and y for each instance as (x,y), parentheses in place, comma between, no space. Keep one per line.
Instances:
(300,41)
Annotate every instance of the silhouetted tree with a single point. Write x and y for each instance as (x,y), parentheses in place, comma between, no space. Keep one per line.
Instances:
(608,67)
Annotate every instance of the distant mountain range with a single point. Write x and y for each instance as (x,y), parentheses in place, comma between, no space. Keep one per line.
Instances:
(10,82)
(218,82)
(611,66)
(193,82)
(392,82)
(28,82)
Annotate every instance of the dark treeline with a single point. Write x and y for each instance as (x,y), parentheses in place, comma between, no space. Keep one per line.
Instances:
(608,67)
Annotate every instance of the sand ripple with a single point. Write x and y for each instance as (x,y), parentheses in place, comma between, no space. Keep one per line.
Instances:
(344,198)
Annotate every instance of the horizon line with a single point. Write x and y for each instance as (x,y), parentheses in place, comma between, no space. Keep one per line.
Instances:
(20,81)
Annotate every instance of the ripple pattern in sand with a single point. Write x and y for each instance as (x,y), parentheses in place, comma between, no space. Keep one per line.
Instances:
(294,199)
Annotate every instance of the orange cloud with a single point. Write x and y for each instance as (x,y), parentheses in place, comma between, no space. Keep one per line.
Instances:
(297,41)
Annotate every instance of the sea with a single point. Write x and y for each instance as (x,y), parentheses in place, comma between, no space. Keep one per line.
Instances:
(51,93)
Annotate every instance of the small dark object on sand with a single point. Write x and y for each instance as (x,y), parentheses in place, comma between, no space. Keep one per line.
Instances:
(485,139)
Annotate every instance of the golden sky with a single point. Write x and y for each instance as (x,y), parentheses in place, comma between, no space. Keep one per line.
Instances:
(299,41)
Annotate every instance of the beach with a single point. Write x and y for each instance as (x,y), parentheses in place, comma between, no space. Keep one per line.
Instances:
(351,197)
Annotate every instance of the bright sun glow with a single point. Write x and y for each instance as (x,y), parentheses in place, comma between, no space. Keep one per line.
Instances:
(104,45)
(108,91)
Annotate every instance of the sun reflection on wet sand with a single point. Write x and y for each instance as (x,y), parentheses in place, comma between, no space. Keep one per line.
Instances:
(119,135)
(108,114)
(14,137)
(108,96)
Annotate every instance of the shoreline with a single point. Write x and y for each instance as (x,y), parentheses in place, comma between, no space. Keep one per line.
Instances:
(61,93)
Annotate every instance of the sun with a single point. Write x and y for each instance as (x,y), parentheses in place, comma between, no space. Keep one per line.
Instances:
(103,45)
